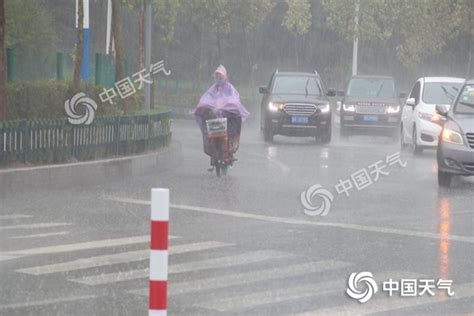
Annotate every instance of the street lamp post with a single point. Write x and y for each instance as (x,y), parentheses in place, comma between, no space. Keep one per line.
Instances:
(147,51)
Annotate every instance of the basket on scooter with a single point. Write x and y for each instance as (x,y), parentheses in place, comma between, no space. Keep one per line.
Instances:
(216,127)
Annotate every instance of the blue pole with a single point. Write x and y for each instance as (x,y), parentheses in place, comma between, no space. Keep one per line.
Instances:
(85,56)
(86,39)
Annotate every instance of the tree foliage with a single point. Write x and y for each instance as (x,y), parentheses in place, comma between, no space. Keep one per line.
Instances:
(297,19)
(28,26)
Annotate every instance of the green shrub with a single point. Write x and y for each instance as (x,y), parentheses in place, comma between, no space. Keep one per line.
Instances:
(45,99)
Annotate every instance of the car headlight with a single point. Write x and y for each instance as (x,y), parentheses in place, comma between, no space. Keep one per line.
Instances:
(450,136)
(324,108)
(425,116)
(275,107)
(393,109)
(349,107)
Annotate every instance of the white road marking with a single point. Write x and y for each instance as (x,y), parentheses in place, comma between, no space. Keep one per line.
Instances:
(123,257)
(5,257)
(385,304)
(255,276)
(291,221)
(47,302)
(34,226)
(40,235)
(220,262)
(83,246)
(14,216)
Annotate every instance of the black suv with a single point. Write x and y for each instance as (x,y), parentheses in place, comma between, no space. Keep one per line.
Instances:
(296,104)
(370,103)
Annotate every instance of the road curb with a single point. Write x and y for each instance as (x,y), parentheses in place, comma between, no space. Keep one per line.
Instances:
(83,174)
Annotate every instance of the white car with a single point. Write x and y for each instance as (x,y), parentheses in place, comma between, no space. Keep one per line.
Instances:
(419,128)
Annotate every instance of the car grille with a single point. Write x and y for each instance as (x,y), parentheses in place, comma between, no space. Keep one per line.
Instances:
(300,109)
(468,166)
(470,139)
(370,109)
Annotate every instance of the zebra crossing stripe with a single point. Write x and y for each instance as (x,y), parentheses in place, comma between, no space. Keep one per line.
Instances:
(62,233)
(104,243)
(47,302)
(220,262)
(34,226)
(255,276)
(14,216)
(123,257)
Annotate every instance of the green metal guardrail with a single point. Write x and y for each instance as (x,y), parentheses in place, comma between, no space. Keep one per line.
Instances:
(56,140)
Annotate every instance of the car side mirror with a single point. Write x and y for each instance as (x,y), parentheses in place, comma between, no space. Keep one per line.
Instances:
(403,95)
(411,102)
(263,89)
(331,93)
(340,93)
(442,110)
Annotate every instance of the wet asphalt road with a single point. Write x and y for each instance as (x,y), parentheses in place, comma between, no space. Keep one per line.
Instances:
(242,244)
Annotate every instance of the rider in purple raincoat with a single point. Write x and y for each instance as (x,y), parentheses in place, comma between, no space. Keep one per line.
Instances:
(221,100)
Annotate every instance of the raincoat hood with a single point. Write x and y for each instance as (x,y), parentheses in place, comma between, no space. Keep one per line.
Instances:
(220,97)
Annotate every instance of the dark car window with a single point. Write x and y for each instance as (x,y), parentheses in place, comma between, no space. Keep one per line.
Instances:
(440,92)
(371,87)
(415,93)
(465,104)
(297,85)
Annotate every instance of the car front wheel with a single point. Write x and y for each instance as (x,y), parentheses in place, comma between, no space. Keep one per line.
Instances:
(417,149)
(325,137)
(444,178)
(267,134)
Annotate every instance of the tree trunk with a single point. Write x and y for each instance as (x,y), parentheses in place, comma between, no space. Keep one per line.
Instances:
(2,61)
(116,26)
(219,49)
(79,47)
(141,36)
(296,53)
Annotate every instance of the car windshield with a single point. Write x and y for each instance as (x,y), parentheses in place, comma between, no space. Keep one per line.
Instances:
(296,85)
(371,87)
(465,104)
(440,92)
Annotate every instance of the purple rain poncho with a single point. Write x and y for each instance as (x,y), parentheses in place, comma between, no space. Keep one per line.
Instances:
(224,101)
(220,97)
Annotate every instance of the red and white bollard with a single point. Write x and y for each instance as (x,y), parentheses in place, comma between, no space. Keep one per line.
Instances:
(160,202)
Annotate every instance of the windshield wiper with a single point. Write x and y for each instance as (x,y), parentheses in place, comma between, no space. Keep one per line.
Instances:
(449,95)
(380,88)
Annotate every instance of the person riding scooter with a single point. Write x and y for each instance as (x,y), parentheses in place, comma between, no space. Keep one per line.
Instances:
(221,100)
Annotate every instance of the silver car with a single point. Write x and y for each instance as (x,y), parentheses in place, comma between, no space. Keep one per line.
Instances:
(456,141)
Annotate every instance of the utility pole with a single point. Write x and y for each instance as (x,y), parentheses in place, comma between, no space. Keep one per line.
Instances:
(2,61)
(86,36)
(148,90)
(108,35)
(355,46)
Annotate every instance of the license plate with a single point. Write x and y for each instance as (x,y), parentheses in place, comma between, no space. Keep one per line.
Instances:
(299,120)
(371,118)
